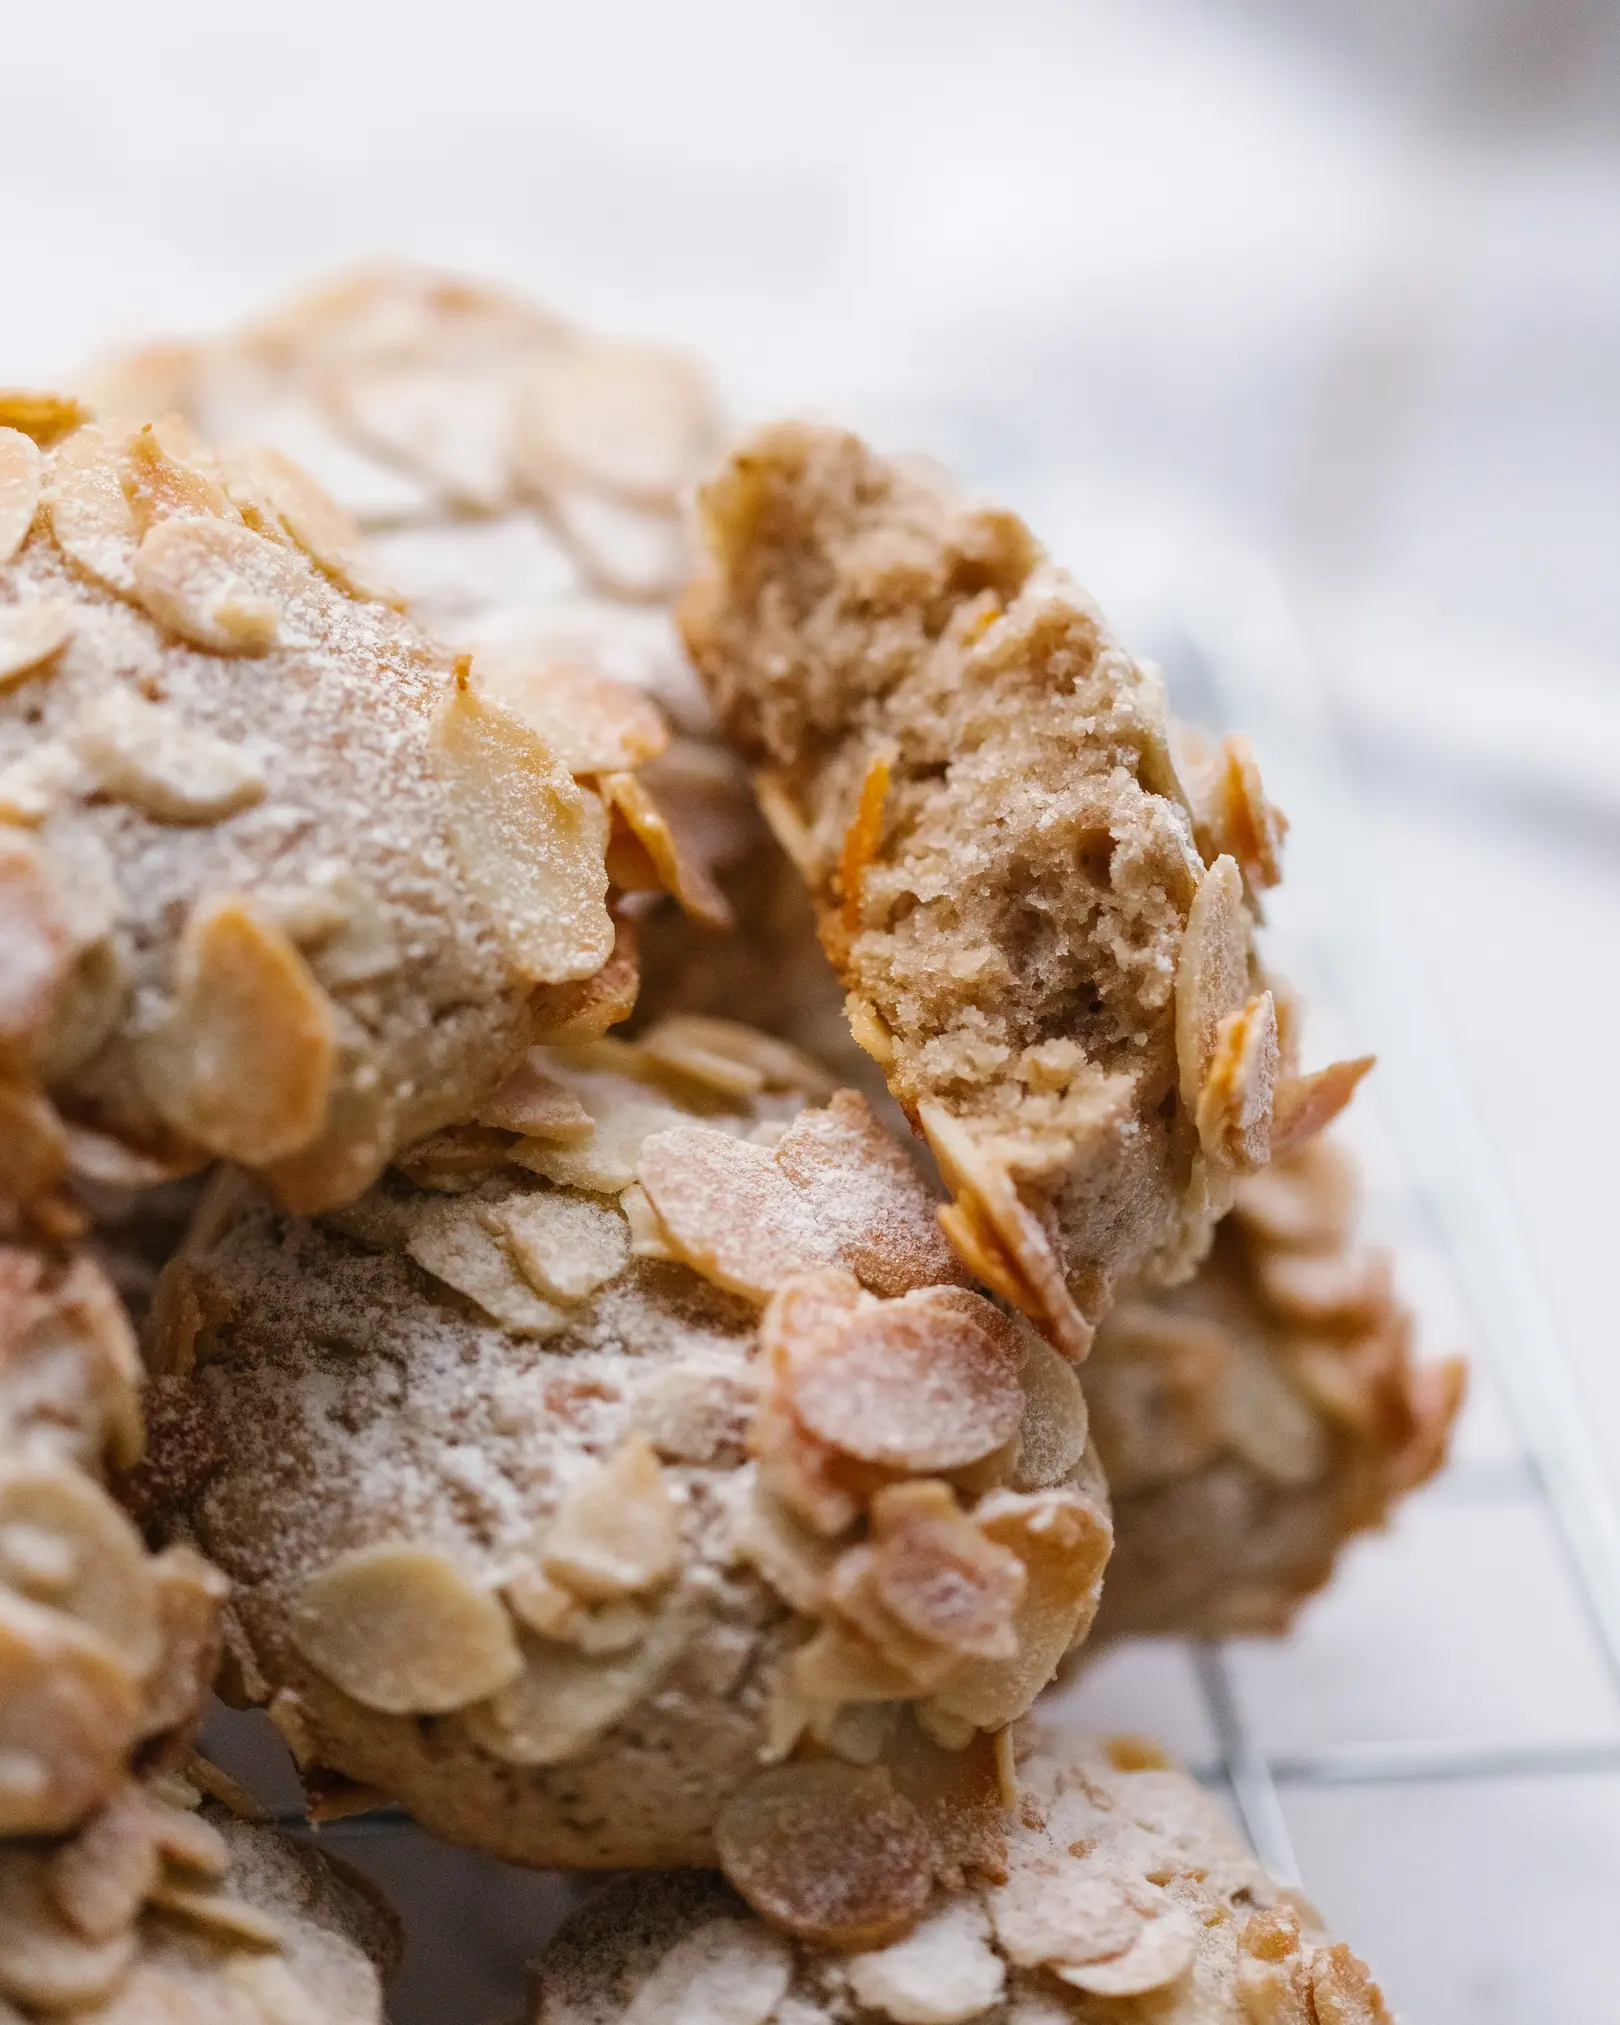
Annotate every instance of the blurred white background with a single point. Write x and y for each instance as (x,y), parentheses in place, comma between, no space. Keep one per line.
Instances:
(1333,281)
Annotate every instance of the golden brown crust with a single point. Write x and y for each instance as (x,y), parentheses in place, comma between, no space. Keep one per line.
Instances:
(1256,1419)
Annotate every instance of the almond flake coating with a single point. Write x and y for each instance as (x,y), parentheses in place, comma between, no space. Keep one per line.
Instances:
(1255,1420)
(592,1483)
(1122,1895)
(20,489)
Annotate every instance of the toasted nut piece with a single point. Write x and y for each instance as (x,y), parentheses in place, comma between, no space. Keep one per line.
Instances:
(36,941)
(1052,1433)
(679,869)
(1306,1105)
(21,486)
(537,1105)
(1267,1422)
(1212,972)
(90,517)
(191,1593)
(606,1162)
(925,1383)
(217,584)
(143,754)
(629,420)
(451,1241)
(566,1245)
(454,1159)
(928,1588)
(1307,1203)
(795,1561)
(68,1708)
(530,843)
(829,1852)
(402,1629)
(216,1912)
(730,1211)
(565,1698)
(725,1972)
(618,1530)
(31,635)
(734,1059)
(1057,1909)
(1162,1951)
(64,1543)
(278,498)
(592,724)
(99,1880)
(43,1961)
(1234,1106)
(166,474)
(40,415)
(943,1973)
(245,1062)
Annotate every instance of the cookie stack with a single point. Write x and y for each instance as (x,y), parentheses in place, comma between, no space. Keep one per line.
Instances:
(712,1181)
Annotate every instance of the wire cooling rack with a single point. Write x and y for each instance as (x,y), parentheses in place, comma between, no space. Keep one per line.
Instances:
(1434,1754)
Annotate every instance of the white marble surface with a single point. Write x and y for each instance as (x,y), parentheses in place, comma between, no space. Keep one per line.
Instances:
(1334,278)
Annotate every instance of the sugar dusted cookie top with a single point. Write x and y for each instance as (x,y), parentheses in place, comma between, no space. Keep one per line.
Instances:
(618,1443)
(1046,932)
(280,882)
(1121,1893)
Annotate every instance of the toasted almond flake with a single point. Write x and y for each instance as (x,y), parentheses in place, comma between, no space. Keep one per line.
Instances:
(680,870)
(1162,1952)
(1342,1990)
(191,1597)
(840,1665)
(530,843)
(21,486)
(925,1383)
(572,1015)
(565,1698)
(537,1105)
(943,1973)
(43,1961)
(1063,1539)
(245,1062)
(1052,1433)
(1212,972)
(735,1060)
(92,521)
(1306,1200)
(450,1240)
(36,944)
(63,1542)
(144,754)
(34,786)
(1266,1421)
(403,1629)
(455,1159)
(217,584)
(98,1881)
(1239,816)
(565,1245)
(793,1559)
(730,1211)
(165,474)
(40,415)
(648,1237)
(617,1532)
(868,1195)
(1234,1105)
(861,843)
(216,1912)
(830,1852)
(278,498)
(1348,1288)
(1306,1105)
(593,724)
(930,1573)
(68,1707)
(607,1161)
(725,1972)
(1056,1909)
(786,824)
(628,420)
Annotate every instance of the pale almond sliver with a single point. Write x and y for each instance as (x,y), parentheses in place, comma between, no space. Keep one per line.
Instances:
(217,584)
(1211,972)
(592,723)
(143,753)
(21,485)
(730,1211)
(31,635)
(90,517)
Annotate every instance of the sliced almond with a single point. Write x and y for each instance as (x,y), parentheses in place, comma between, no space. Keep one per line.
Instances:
(44,1962)
(68,1708)
(1160,1954)
(565,1245)
(730,1211)
(1305,1200)
(144,754)
(793,1559)
(1055,1909)
(165,475)
(245,1062)
(190,1596)
(1238,814)
(217,584)
(606,1163)
(735,1060)
(1053,1430)
(592,724)
(100,1879)
(1212,972)
(36,944)
(680,871)
(537,1105)
(830,1852)
(456,1159)
(617,1532)
(217,1913)
(403,1629)
(629,420)
(530,843)
(943,1973)
(278,498)
(1306,1105)
(565,1698)
(63,1542)
(450,1240)
(40,415)
(725,1972)
(1235,1103)
(21,486)
(1267,1422)
(1348,1288)
(925,1383)
(92,521)
(928,1578)
(861,840)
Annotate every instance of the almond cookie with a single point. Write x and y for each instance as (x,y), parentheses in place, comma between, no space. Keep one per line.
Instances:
(1046,940)
(1254,1420)
(1120,1893)
(158,1910)
(618,1445)
(107,1651)
(279,881)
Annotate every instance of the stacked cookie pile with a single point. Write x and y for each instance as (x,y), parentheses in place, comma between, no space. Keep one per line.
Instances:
(712,1183)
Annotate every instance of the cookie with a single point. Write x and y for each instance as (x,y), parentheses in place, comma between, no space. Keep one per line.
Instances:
(1256,1419)
(159,1909)
(1045,931)
(280,881)
(107,1651)
(616,1445)
(1119,1892)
